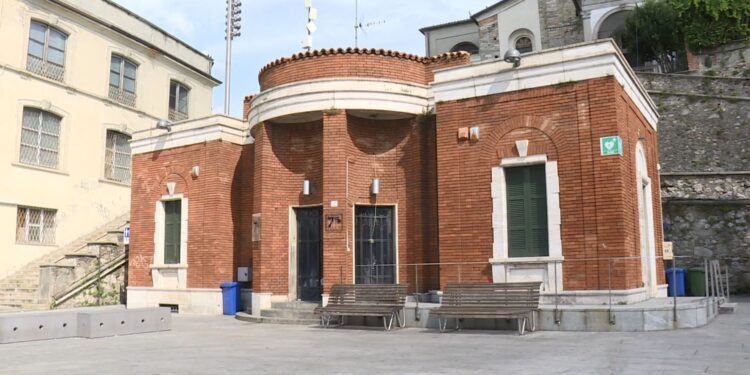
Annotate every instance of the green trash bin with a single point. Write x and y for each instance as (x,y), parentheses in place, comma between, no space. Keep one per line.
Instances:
(697,282)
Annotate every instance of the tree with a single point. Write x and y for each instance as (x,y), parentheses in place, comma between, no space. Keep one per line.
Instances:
(710,23)
(651,33)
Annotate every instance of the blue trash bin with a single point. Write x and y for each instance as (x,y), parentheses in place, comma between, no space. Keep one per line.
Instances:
(679,274)
(230,292)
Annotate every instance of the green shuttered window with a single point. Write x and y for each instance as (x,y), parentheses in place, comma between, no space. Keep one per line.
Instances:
(526,194)
(172,228)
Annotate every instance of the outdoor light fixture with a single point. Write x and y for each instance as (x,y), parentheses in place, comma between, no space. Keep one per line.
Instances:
(306,187)
(375,188)
(513,56)
(164,124)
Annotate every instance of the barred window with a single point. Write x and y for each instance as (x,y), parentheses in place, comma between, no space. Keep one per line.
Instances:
(178,101)
(40,138)
(122,80)
(35,226)
(117,157)
(46,55)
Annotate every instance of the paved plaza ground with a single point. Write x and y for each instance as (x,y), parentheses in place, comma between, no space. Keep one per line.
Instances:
(223,345)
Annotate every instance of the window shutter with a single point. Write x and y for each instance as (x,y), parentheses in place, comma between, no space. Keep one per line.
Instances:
(172,227)
(526,196)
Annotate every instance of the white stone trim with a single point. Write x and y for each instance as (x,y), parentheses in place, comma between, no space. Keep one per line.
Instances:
(545,68)
(339,93)
(547,269)
(643,184)
(190,301)
(217,127)
(170,275)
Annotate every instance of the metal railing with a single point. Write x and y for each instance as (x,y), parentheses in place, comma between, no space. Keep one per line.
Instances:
(175,115)
(611,276)
(122,96)
(45,69)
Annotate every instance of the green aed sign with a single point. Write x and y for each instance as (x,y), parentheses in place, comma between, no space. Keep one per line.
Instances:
(610,145)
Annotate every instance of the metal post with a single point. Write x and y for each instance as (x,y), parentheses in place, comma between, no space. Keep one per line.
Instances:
(706,291)
(557,296)
(609,282)
(727,283)
(674,288)
(416,294)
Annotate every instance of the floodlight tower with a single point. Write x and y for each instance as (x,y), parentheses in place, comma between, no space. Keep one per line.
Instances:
(312,15)
(232,31)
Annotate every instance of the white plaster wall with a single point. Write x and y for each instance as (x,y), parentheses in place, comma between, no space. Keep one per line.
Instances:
(522,14)
(84,200)
(443,39)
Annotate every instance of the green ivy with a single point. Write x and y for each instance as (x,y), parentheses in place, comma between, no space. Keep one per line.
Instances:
(659,27)
(711,23)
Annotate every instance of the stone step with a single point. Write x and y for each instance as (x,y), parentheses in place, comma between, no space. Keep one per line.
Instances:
(288,314)
(295,305)
(34,307)
(18,295)
(9,290)
(727,308)
(21,300)
(264,319)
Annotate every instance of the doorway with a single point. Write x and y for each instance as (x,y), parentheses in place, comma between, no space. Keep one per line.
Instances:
(309,254)
(375,245)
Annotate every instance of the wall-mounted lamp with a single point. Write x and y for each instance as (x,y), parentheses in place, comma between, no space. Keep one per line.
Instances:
(196,171)
(306,187)
(164,124)
(513,56)
(474,134)
(375,188)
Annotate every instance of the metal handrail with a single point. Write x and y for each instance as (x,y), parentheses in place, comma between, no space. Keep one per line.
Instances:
(94,276)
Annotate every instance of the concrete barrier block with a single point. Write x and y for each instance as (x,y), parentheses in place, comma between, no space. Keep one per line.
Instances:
(19,327)
(92,324)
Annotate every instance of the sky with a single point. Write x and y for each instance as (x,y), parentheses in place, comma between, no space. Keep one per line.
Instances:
(276,28)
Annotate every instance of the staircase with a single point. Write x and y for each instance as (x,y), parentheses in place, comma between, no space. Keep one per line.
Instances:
(285,313)
(21,291)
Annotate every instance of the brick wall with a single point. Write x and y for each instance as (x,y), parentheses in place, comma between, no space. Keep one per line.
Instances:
(357,63)
(215,219)
(597,194)
(341,156)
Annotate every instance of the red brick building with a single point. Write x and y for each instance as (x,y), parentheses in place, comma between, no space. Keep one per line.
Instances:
(374,166)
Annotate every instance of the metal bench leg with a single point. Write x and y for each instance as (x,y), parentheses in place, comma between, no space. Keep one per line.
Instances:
(458,324)
(521,325)
(532,321)
(441,324)
(325,320)
(388,323)
(341,320)
(401,318)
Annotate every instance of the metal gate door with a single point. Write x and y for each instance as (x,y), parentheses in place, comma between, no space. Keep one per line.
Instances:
(375,257)
(309,254)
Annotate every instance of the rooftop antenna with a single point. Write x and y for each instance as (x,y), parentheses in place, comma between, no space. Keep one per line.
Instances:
(312,15)
(359,25)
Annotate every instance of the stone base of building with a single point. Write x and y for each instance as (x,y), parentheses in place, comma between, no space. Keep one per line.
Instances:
(190,300)
(598,297)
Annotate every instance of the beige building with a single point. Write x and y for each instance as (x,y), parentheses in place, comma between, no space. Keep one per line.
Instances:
(77,78)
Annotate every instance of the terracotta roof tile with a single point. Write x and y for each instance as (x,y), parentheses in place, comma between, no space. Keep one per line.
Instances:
(364,51)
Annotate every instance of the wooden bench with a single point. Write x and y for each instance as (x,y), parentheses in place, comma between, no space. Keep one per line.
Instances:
(382,300)
(489,301)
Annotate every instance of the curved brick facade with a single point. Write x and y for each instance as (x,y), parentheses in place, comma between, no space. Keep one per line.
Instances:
(446,190)
(360,63)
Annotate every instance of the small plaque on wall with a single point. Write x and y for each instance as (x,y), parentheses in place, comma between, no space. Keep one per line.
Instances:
(256,227)
(334,222)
